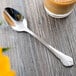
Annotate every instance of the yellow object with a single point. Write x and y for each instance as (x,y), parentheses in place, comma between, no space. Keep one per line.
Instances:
(0,51)
(5,67)
(4,60)
(11,73)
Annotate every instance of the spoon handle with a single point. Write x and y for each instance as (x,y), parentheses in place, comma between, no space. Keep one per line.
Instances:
(66,60)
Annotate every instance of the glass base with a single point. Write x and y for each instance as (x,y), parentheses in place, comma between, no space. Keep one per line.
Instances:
(57,15)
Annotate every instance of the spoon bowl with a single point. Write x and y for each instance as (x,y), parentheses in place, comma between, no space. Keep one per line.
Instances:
(15,19)
(19,23)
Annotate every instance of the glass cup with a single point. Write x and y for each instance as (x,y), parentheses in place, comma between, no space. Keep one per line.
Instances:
(59,8)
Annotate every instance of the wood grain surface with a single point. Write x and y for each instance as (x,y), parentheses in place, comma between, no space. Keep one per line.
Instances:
(27,55)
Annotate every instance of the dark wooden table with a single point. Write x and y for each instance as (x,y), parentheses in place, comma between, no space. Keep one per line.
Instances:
(28,56)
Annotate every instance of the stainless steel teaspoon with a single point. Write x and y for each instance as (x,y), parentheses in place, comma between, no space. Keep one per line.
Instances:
(19,23)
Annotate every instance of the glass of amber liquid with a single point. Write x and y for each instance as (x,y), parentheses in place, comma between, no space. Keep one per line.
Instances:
(59,8)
